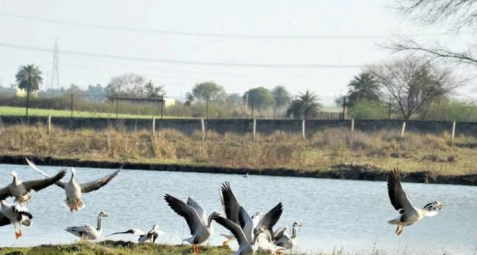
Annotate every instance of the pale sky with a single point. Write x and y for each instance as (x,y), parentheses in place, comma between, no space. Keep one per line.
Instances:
(344,19)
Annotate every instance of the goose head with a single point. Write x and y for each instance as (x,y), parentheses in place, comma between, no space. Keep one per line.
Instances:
(103,215)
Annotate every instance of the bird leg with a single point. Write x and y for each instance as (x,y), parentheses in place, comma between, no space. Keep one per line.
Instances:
(401,229)
(18,233)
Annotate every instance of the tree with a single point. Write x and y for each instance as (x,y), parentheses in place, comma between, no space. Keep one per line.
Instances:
(29,79)
(282,98)
(305,107)
(189,99)
(126,85)
(208,91)
(362,87)
(456,14)
(411,83)
(259,98)
(153,91)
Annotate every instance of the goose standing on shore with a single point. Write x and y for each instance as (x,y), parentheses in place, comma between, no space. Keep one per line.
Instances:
(21,190)
(149,237)
(285,239)
(15,214)
(200,227)
(74,190)
(408,213)
(88,232)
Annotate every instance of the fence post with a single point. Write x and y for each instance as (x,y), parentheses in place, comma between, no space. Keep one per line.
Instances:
(254,128)
(153,125)
(352,125)
(202,123)
(49,124)
(453,131)
(403,129)
(71,106)
(117,107)
(303,134)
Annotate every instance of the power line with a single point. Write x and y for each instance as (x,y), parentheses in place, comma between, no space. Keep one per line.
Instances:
(218,35)
(180,62)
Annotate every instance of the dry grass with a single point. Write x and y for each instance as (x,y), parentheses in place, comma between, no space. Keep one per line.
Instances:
(321,151)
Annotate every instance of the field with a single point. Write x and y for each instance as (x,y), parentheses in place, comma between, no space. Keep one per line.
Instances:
(20,111)
(320,152)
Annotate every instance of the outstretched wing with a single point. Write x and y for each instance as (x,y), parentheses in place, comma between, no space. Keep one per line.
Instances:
(133,231)
(94,185)
(230,203)
(200,211)
(232,227)
(186,211)
(35,167)
(281,232)
(38,185)
(396,193)
(4,220)
(271,218)
(4,193)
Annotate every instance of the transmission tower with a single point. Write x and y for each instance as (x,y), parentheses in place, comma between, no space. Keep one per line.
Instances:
(55,74)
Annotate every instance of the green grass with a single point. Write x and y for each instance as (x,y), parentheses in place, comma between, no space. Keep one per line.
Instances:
(20,111)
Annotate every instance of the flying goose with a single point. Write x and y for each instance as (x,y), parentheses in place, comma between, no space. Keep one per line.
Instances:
(408,213)
(15,214)
(200,227)
(21,190)
(87,232)
(237,214)
(149,237)
(74,190)
(285,239)
(245,247)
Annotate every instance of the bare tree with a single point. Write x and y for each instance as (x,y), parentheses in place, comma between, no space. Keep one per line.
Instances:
(126,85)
(411,83)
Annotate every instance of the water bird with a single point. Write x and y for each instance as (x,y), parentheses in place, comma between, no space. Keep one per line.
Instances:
(286,239)
(236,213)
(149,237)
(200,227)
(408,214)
(245,247)
(21,190)
(88,232)
(73,190)
(15,215)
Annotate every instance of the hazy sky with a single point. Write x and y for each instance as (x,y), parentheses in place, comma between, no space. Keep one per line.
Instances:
(352,18)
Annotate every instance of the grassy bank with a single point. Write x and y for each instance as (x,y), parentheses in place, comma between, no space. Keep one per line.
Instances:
(322,151)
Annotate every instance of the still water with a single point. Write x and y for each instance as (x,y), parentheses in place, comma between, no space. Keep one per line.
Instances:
(337,214)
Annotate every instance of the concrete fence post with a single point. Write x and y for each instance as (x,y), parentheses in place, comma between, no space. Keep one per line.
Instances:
(202,124)
(352,125)
(254,128)
(303,131)
(153,125)
(453,131)
(403,129)
(49,124)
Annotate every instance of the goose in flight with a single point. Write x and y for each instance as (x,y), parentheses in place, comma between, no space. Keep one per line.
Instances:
(285,239)
(149,237)
(408,214)
(200,227)
(74,190)
(88,232)
(245,247)
(21,190)
(237,214)
(16,215)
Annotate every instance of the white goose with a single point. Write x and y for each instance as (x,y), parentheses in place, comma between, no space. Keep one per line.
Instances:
(16,215)
(200,227)
(88,232)
(74,190)
(285,239)
(149,237)
(21,190)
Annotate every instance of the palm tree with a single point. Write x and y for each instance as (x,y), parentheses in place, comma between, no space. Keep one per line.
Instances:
(29,79)
(282,98)
(306,106)
(363,86)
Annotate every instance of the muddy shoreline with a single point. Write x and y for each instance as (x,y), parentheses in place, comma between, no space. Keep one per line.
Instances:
(346,171)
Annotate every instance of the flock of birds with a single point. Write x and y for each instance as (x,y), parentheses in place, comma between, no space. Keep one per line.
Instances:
(253,233)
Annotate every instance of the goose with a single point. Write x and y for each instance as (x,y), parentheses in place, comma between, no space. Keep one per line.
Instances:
(149,237)
(74,190)
(15,214)
(408,214)
(21,190)
(285,239)
(245,247)
(200,227)
(88,232)
(237,214)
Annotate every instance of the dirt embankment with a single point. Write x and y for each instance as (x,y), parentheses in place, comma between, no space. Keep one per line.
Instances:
(345,171)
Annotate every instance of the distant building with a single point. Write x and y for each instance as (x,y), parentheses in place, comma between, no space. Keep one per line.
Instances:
(168,102)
